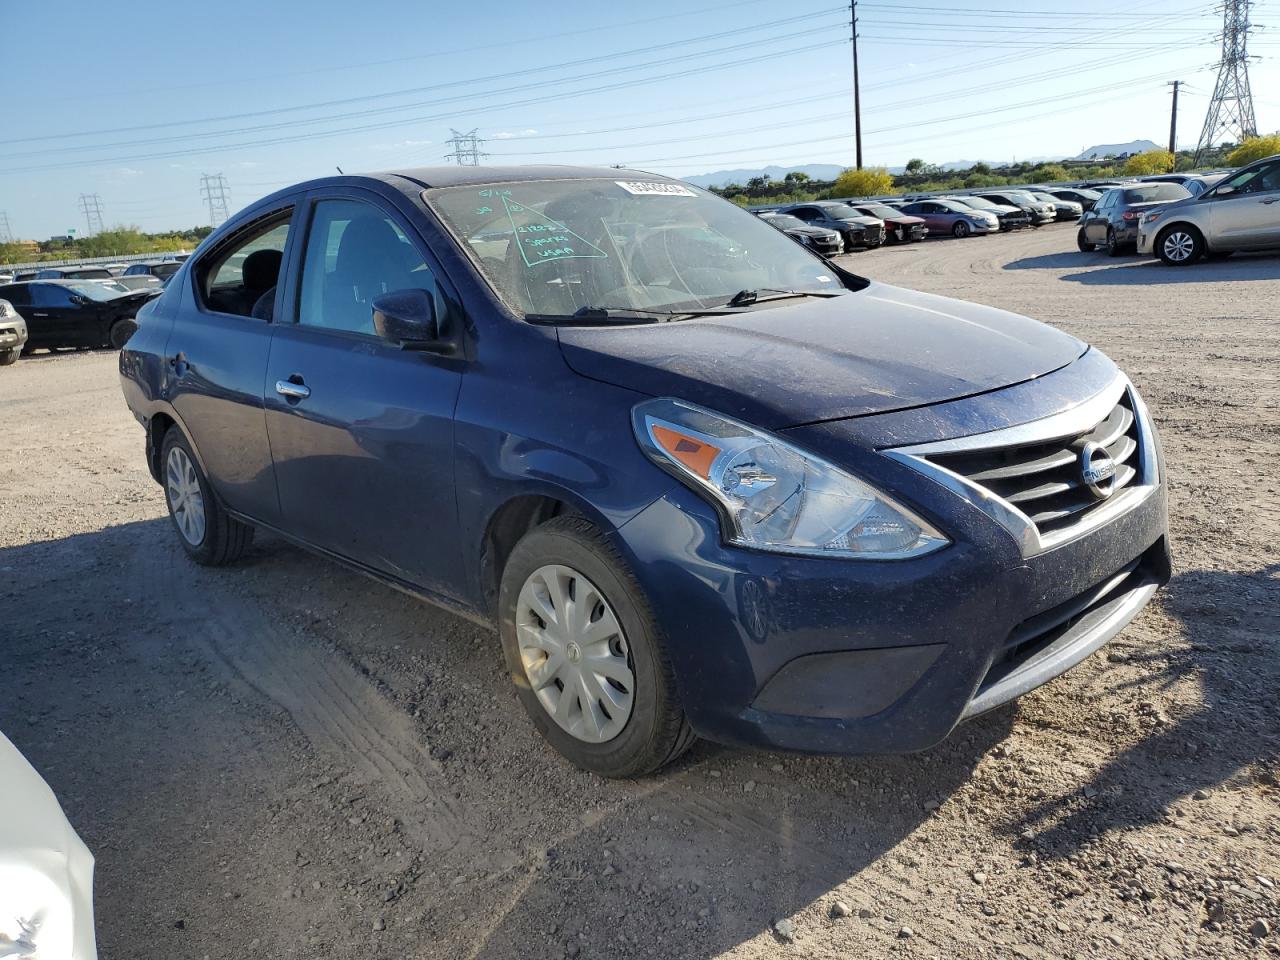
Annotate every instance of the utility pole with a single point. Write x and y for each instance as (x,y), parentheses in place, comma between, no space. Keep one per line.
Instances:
(91,207)
(1173,121)
(1231,109)
(466,148)
(6,234)
(213,190)
(857,93)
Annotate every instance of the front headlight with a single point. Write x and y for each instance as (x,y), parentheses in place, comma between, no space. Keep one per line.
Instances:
(774,496)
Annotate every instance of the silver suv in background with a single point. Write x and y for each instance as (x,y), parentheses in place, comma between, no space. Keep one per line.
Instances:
(1241,213)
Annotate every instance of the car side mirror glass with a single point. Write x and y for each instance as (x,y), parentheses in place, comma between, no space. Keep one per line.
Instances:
(1224,191)
(408,318)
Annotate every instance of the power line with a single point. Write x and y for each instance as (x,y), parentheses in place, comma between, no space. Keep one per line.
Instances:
(1231,109)
(213,190)
(91,207)
(466,148)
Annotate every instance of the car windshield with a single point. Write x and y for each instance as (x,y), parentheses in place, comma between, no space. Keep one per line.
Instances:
(842,211)
(1155,192)
(980,203)
(555,247)
(100,292)
(783,221)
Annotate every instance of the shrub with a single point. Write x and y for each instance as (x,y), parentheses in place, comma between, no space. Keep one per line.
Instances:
(1254,148)
(869,182)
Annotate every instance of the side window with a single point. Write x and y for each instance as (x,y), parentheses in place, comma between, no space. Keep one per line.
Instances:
(806,213)
(240,277)
(356,253)
(16,295)
(50,295)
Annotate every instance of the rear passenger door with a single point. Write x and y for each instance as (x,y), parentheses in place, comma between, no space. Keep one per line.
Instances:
(361,430)
(216,360)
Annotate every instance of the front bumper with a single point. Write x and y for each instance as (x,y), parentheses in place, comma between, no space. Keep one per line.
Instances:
(12,335)
(838,656)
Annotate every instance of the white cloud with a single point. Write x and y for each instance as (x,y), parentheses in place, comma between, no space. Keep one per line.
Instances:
(511,135)
(397,145)
(246,164)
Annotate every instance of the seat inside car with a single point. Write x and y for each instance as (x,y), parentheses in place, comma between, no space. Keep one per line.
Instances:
(371,260)
(260,273)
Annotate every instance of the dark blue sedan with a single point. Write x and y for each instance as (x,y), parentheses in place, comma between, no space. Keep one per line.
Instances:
(703,481)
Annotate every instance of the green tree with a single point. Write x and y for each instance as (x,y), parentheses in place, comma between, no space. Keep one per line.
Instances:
(982,169)
(1254,148)
(796,177)
(915,166)
(1153,161)
(869,182)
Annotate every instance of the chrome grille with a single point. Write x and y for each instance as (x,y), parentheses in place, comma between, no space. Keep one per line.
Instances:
(1044,479)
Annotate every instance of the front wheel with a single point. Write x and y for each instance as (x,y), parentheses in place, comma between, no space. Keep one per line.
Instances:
(585,652)
(10,357)
(206,532)
(961,230)
(1179,246)
(1084,245)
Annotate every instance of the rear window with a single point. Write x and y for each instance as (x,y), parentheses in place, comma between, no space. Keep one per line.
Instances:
(88,274)
(1155,192)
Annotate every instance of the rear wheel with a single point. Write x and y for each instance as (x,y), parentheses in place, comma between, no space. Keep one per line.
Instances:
(586,653)
(206,532)
(1113,244)
(1179,246)
(121,331)
(961,229)
(1084,245)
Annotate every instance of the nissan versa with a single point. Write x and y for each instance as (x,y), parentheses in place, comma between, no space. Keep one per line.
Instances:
(704,482)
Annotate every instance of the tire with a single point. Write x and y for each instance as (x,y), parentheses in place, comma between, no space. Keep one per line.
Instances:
(9,357)
(219,539)
(1179,246)
(120,333)
(1084,245)
(961,230)
(1113,245)
(574,554)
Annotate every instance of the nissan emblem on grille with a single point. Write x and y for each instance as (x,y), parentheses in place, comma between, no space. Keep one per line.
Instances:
(1097,469)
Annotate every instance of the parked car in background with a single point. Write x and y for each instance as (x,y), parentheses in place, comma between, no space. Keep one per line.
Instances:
(826,243)
(899,227)
(1010,217)
(164,269)
(1241,212)
(6,277)
(74,313)
(949,218)
(73,273)
(1066,209)
(857,229)
(505,390)
(1040,211)
(1081,195)
(23,275)
(1195,183)
(13,334)
(46,871)
(1113,222)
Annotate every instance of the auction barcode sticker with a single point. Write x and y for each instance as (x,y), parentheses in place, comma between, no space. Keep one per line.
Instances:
(654,188)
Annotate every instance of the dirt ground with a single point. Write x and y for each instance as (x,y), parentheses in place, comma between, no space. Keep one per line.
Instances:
(282,759)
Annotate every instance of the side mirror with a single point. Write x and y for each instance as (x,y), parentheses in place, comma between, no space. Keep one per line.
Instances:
(408,318)
(1224,191)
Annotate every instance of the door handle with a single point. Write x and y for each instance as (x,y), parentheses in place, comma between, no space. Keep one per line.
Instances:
(293,390)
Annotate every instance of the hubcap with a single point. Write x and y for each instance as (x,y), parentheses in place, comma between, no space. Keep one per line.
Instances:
(1178,246)
(574,653)
(186,502)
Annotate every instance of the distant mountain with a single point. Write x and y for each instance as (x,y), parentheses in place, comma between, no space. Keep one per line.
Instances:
(816,171)
(1103,150)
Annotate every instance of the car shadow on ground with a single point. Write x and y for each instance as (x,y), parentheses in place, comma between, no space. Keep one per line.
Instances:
(1131,269)
(1231,735)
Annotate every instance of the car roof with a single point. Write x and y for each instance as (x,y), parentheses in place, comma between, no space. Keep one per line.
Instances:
(457,176)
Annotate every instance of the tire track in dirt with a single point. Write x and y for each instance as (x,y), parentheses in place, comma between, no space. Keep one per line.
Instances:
(341,714)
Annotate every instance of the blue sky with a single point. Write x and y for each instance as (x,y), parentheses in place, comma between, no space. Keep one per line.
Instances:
(135,101)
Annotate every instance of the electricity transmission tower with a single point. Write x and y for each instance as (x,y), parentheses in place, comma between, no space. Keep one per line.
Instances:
(6,234)
(466,148)
(91,207)
(213,190)
(1231,109)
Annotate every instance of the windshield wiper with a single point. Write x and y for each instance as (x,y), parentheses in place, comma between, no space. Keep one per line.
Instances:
(745,298)
(626,315)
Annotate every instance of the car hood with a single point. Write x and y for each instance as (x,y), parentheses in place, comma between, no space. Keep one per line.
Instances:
(904,219)
(801,361)
(813,231)
(864,221)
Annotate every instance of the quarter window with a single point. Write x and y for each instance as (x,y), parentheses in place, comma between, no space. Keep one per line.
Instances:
(356,253)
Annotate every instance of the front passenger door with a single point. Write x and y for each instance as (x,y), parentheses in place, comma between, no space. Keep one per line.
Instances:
(1249,217)
(361,430)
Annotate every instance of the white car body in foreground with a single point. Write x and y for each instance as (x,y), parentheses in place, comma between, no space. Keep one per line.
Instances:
(46,872)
